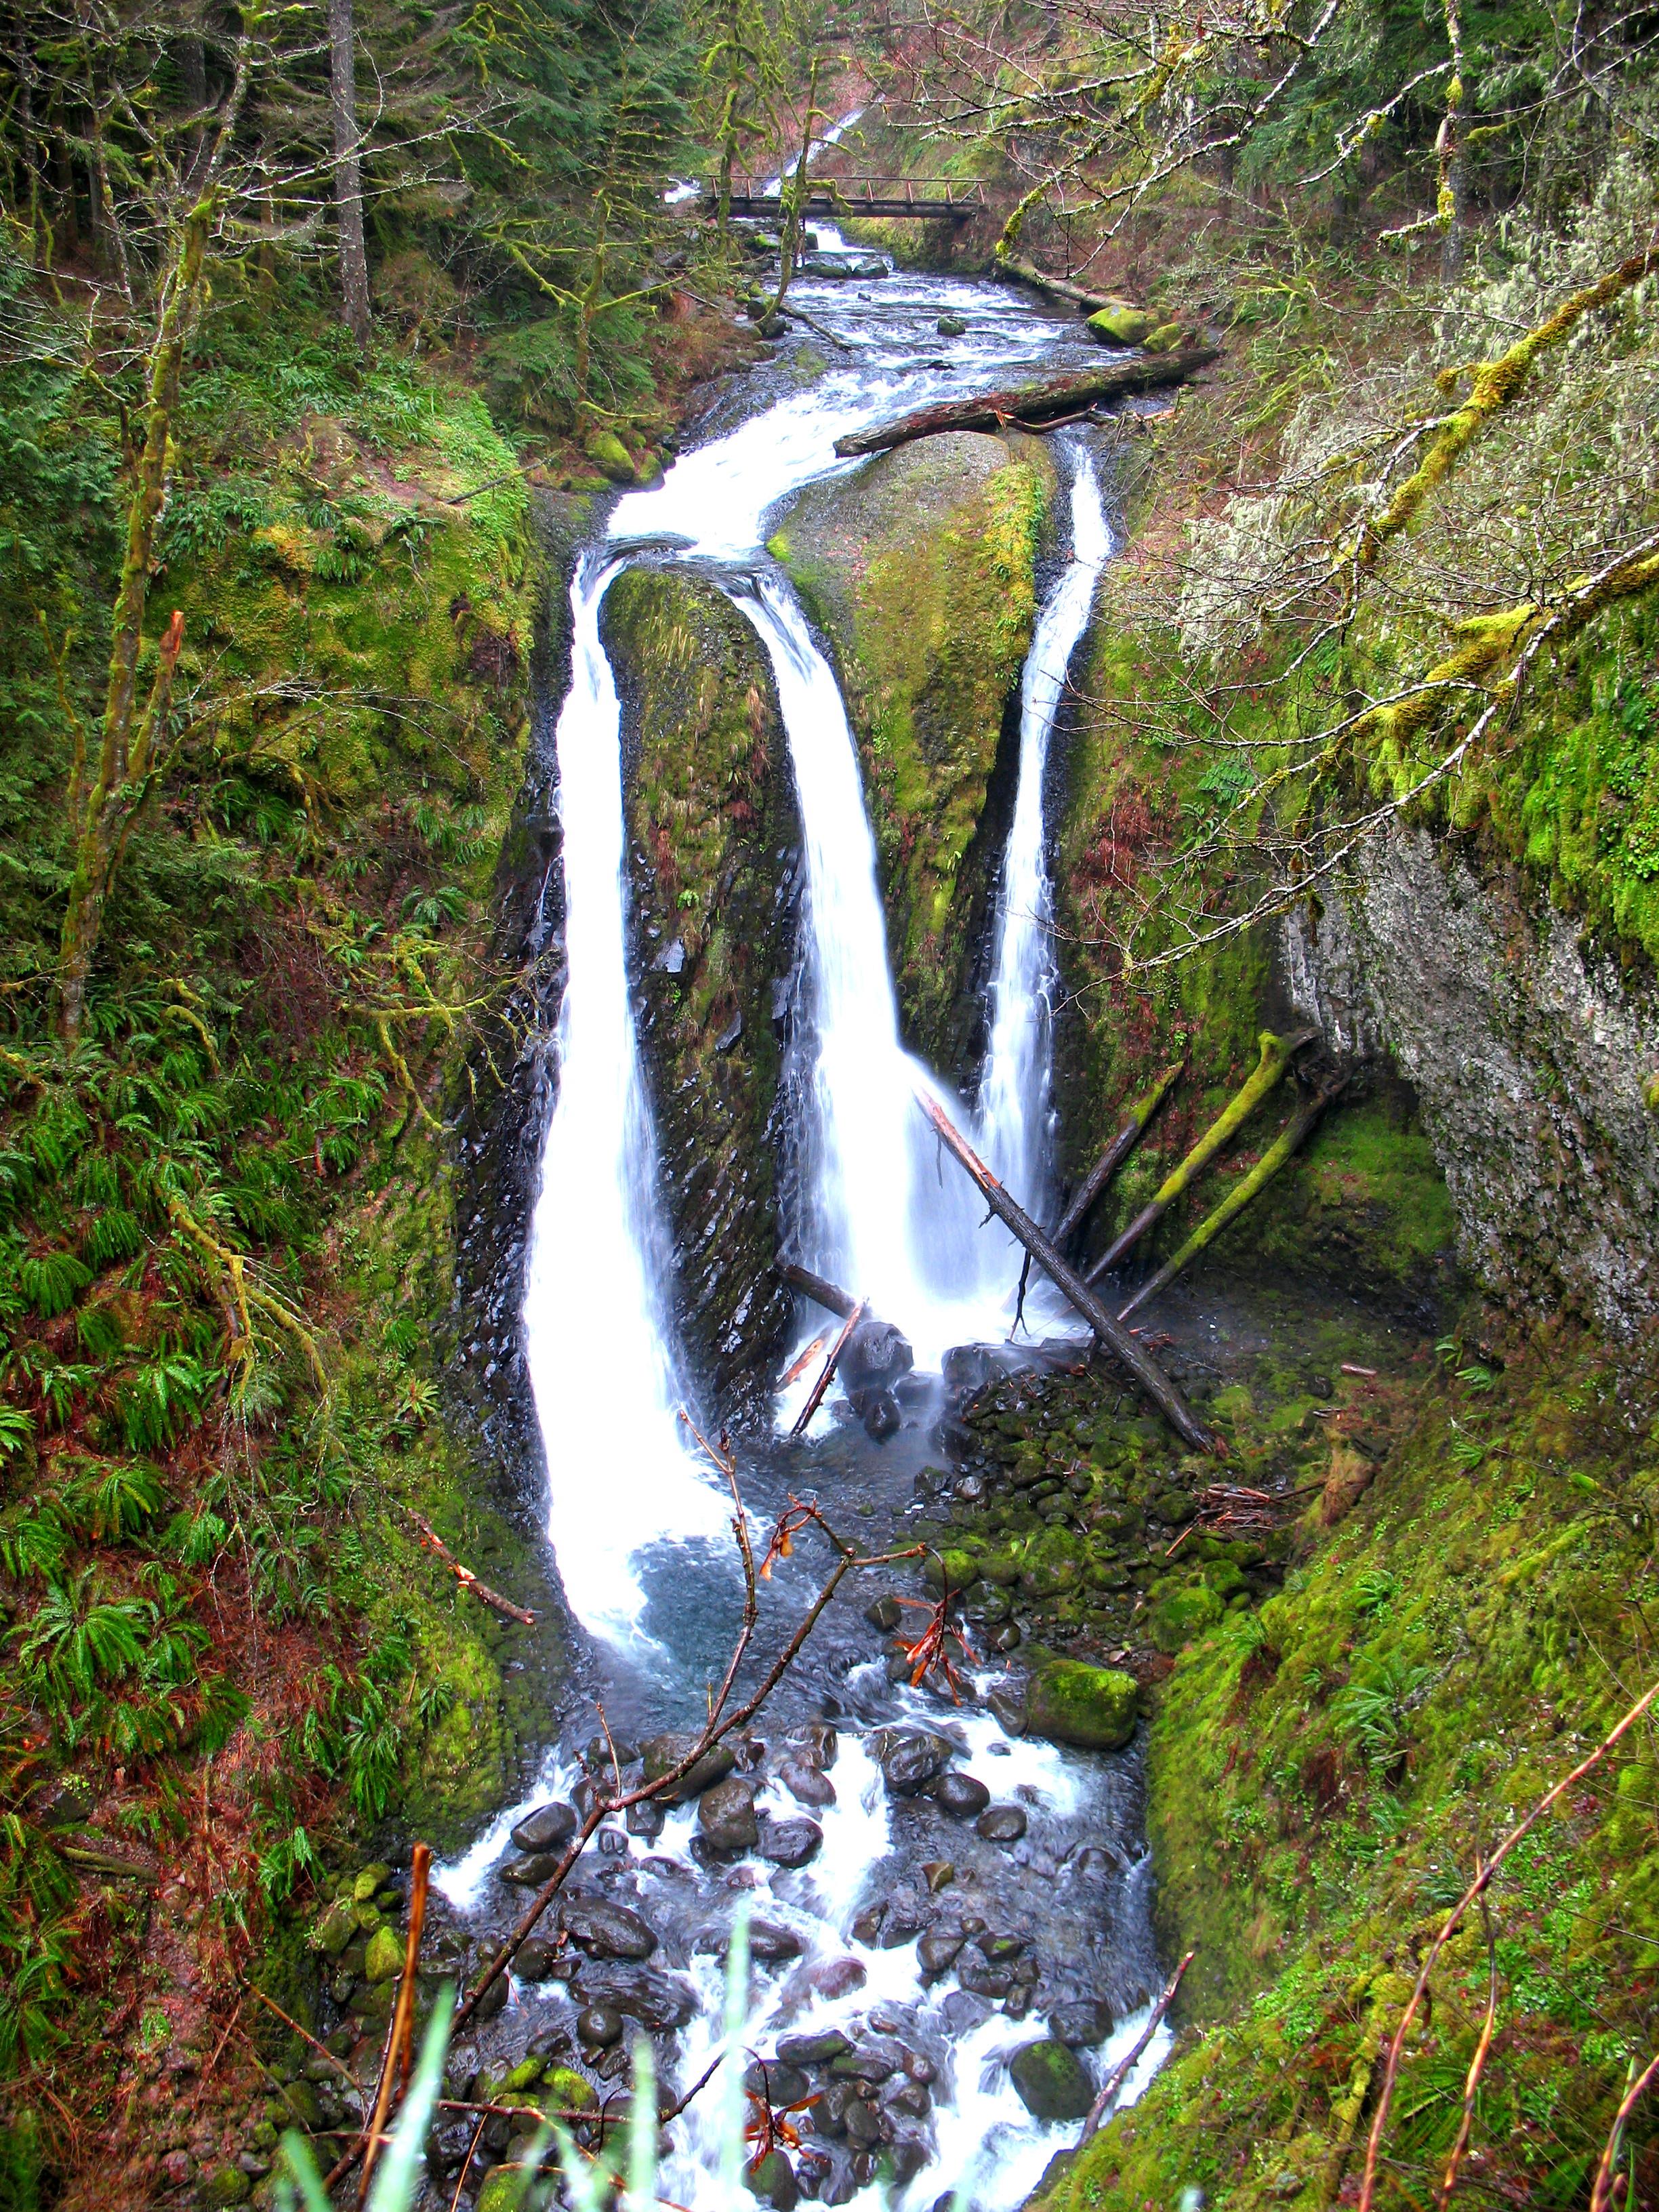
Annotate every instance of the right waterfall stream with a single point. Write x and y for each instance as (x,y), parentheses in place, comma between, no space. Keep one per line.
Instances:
(909,1941)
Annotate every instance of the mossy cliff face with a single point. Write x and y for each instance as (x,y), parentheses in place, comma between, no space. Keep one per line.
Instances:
(1324,1772)
(713,835)
(920,568)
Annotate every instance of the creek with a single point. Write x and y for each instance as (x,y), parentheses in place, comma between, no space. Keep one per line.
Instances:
(922,1929)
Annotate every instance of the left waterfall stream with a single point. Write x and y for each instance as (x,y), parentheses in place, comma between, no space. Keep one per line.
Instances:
(915,1997)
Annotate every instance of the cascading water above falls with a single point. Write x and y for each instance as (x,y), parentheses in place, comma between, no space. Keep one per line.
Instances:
(1014,1106)
(617,1472)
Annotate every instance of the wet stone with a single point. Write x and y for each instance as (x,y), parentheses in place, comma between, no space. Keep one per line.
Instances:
(961,1795)
(863,2125)
(1052,2081)
(790,1843)
(548,1828)
(600,2024)
(1080,2023)
(607,1931)
(909,1762)
(784,2085)
(774,2182)
(664,1753)
(1001,1824)
(771,1944)
(658,2001)
(645,1820)
(936,1952)
(806,1783)
(1000,1950)
(725,1817)
(538,1961)
(813,2049)
(985,1980)
(885,1614)
(864,2066)
(531,1873)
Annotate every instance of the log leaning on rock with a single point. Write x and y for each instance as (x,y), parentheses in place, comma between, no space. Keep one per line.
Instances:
(1106,1326)
(1048,399)
(829,1295)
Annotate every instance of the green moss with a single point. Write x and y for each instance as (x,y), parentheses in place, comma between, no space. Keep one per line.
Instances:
(1323,1773)
(1095,1707)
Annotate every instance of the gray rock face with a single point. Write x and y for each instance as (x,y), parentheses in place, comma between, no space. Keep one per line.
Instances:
(1529,1055)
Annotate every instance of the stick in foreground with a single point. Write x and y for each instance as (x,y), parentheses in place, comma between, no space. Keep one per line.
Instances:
(1112,2085)
(1106,1326)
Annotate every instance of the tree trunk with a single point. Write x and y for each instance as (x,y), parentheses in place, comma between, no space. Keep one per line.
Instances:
(794,197)
(347,170)
(1051,397)
(126,750)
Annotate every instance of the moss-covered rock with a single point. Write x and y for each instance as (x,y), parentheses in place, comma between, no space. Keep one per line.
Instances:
(1052,2081)
(610,455)
(712,834)
(1094,1707)
(384,1956)
(1184,1614)
(920,566)
(1121,326)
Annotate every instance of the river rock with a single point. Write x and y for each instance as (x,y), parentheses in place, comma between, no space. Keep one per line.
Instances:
(836,1977)
(646,1819)
(819,2049)
(606,1931)
(664,1753)
(550,1827)
(1001,1824)
(984,1979)
(879,1413)
(774,2182)
(911,1760)
(961,1795)
(725,1817)
(965,1370)
(875,1356)
(600,2026)
(771,1944)
(658,2001)
(805,1784)
(790,1843)
(863,2124)
(936,1952)
(1083,2022)
(1121,325)
(1095,1708)
(1053,2082)
(538,1961)
(951,326)
(531,1872)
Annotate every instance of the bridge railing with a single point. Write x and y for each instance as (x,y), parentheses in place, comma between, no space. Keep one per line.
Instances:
(886,196)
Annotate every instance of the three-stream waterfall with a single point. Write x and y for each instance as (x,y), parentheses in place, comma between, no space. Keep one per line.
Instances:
(634,1510)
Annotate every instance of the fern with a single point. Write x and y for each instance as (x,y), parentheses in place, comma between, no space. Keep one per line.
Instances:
(53,1281)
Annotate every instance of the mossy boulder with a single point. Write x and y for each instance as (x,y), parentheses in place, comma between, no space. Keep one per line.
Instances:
(712,831)
(334,1927)
(566,2090)
(920,566)
(1095,1708)
(503,2189)
(1052,2081)
(952,1569)
(1184,1614)
(610,457)
(384,1957)
(1164,339)
(1122,326)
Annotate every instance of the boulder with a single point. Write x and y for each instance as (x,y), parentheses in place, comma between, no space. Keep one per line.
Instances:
(962,1795)
(774,2182)
(538,1961)
(819,2049)
(384,1956)
(936,1952)
(874,1357)
(878,1411)
(531,1872)
(771,1944)
(600,2026)
(1121,325)
(606,1931)
(910,1761)
(951,326)
(664,1753)
(805,1784)
(966,1369)
(1053,2082)
(725,1817)
(1185,1613)
(1085,2022)
(610,455)
(659,2002)
(550,1827)
(790,1843)
(1164,339)
(1096,1708)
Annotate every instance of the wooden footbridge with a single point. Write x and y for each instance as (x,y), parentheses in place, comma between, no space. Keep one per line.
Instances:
(916,199)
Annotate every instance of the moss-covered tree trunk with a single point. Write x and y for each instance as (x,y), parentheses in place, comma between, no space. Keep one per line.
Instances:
(101,816)
(348,169)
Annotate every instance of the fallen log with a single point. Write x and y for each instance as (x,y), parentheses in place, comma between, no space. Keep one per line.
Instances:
(1285,1147)
(816,1397)
(1032,404)
(828,1295)
(1106,1326)
(1134,1127)
(1277,1053)
(1011,269)
(431,1541)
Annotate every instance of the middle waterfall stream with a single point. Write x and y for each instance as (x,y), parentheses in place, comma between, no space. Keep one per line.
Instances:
(1056,1904)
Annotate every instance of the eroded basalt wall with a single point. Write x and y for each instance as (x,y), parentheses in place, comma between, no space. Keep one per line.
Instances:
(1531,1053)
(920,568)
(713,837)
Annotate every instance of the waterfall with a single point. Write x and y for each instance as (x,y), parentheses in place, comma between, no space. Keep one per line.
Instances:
(597,1331)
(1014,1109)
(875,1219)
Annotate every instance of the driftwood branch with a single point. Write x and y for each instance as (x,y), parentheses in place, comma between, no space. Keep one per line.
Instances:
(815,1398)
(1046,401)
(828,1295)
(395,2071)
(1283,1148)
(1111,2087)
(1277,1054)
(431,1541)
(1106,1326)
(1135,1125)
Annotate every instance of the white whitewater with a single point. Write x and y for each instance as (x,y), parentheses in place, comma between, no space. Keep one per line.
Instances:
(617,1472)
(1015,1118)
